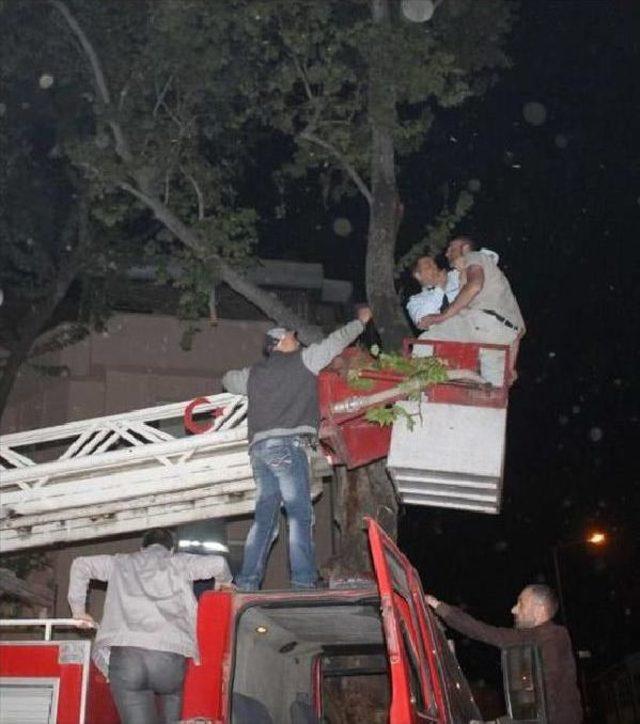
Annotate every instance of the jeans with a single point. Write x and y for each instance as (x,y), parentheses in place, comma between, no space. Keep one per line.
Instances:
(137,675)
(281,472)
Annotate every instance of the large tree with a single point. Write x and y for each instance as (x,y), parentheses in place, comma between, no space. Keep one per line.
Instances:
(177,93)
(357,87)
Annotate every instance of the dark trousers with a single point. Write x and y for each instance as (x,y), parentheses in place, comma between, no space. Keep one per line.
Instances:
(137,676)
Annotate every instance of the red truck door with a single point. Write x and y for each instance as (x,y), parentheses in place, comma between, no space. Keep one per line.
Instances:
(416,693)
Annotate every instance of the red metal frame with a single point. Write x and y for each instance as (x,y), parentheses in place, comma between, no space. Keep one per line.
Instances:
(191,425)
(79,683)
(415,616)
(462,355)
(205,687)
(348,439)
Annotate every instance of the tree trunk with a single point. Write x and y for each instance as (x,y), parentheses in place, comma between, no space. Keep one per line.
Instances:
(366,491)
(385,214)
(37,320)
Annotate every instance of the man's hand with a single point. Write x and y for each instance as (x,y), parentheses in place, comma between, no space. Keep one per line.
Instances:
(432,601)
(364,314)
(85,620)
(429,320)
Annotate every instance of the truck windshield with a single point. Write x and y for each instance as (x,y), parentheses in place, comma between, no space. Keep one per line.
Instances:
(289,658)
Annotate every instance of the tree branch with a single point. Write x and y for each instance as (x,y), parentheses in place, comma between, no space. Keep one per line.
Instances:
(342,160)
(265,301)
(268,303)
(198,191)
(102,88)
(161,95)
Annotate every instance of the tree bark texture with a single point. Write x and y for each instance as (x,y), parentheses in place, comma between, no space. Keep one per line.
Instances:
(384,216)
(364,492)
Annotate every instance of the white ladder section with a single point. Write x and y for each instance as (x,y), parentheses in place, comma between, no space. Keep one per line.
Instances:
(125,473)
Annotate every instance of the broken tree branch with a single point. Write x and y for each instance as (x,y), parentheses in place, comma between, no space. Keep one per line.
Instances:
(98,76)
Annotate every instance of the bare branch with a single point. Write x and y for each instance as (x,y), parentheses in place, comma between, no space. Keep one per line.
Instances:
(304,78)
(167,187)
(198,191)
(161,95)
(309,134)
(264,300)
(343,161)
(123,95)
(102,88)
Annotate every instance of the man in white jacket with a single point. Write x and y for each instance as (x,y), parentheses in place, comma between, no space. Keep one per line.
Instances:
(485,309)
(148,629)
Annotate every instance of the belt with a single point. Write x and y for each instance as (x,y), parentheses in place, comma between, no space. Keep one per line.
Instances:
(500,318)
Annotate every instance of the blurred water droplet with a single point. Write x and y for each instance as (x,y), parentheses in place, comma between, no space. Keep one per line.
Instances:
(534,113)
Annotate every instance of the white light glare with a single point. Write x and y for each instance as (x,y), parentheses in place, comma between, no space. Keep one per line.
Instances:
(207,545)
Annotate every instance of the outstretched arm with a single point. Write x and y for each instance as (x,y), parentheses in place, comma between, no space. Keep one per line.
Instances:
(473,286)
(474,629)
(317,356)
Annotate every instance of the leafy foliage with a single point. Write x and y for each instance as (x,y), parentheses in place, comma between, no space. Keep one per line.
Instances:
(419,372)
(385,415)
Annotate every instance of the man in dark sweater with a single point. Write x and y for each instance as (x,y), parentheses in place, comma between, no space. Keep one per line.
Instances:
(283,413)
(536,606)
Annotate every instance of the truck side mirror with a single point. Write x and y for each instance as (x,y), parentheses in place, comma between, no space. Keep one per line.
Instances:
(524,684)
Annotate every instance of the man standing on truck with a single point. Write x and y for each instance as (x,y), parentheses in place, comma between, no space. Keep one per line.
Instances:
(533,612)
(148,629)
(283,417)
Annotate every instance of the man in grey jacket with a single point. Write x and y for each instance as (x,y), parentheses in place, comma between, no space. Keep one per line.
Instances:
(148,629)
(283,411)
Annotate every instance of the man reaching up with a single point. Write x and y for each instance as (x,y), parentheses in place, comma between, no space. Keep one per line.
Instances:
(533,613)
(283,414)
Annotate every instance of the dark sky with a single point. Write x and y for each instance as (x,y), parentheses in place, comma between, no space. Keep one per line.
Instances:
(560,201)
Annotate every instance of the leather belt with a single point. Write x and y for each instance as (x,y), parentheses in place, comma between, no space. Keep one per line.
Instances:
(500,318)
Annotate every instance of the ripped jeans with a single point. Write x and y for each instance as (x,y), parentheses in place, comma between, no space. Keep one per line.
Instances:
(281,471)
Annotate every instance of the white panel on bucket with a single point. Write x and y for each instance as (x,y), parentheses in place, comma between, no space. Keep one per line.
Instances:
(453,457)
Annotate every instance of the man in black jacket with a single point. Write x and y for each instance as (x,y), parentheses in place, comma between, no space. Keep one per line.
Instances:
(536,606)
(282,414)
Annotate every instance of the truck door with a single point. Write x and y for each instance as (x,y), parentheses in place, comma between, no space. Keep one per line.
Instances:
(416,694)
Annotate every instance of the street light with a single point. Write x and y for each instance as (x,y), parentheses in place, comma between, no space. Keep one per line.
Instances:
(597,538)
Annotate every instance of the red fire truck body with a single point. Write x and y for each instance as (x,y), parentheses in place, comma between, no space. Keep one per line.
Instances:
(279,656)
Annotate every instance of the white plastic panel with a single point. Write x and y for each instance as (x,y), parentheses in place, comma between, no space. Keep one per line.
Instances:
(28,700)
(452,458)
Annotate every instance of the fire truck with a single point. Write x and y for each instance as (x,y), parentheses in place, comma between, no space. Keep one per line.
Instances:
(286,657)
(273,656)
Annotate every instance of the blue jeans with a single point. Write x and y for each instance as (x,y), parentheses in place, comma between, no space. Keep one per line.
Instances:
(137,675)
(281,472)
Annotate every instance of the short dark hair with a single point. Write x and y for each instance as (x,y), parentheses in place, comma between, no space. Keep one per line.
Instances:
(470,240)
(440,260)
(159,536)
(545,595)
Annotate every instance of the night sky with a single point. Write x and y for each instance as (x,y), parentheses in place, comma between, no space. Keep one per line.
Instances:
(560,202)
